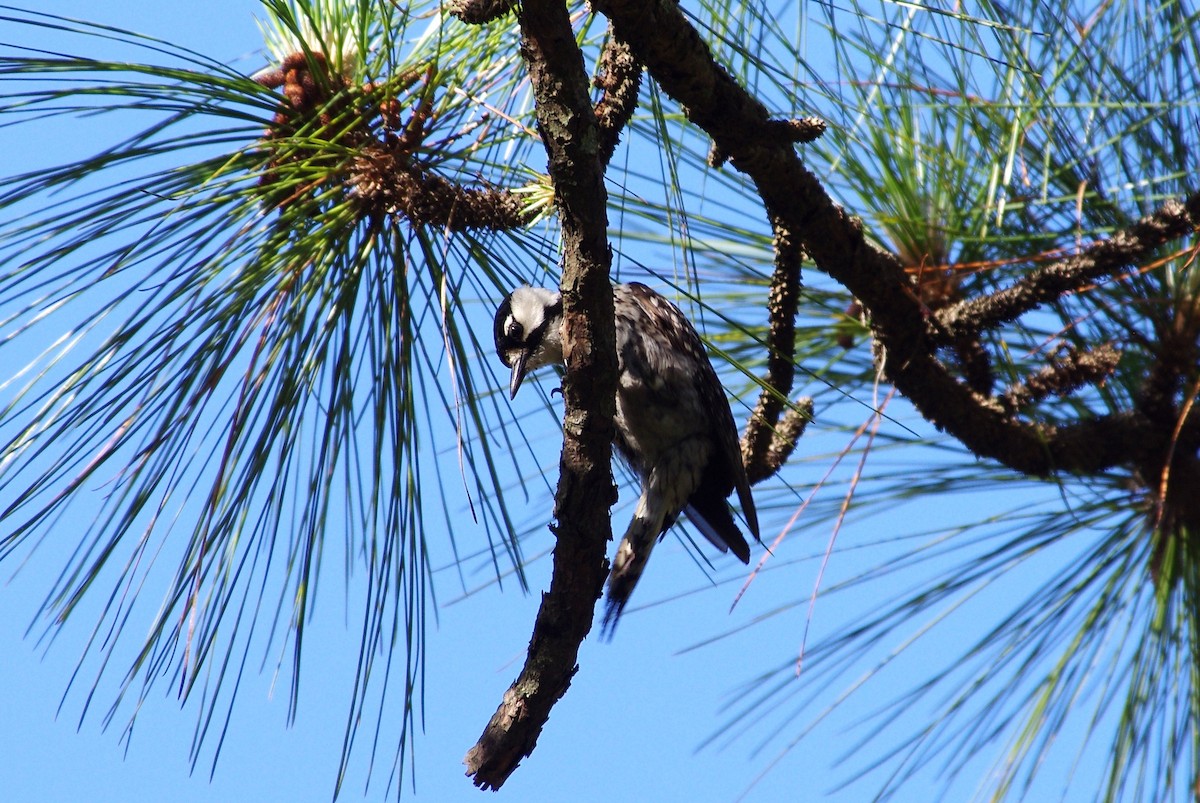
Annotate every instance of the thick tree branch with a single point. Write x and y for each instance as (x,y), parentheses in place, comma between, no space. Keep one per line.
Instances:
(907,338)
(741,128)
(585,490)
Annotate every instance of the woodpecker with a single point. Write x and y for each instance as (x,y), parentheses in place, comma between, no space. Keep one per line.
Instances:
(674,427)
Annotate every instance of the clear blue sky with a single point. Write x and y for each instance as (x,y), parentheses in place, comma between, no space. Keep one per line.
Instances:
(628,728)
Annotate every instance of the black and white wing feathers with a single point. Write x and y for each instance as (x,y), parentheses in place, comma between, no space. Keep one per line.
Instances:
(675,429)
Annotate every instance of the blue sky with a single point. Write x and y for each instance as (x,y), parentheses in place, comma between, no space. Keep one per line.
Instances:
(628,728)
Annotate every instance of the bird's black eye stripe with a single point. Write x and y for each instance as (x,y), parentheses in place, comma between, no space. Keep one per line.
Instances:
(535,335)
(552,314)
(511,339)
(503,314)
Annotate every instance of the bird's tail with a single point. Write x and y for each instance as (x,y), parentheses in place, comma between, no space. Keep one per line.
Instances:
(630,561)
(713,519)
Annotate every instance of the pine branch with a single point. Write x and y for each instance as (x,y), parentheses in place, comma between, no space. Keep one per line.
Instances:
(585,491)
(1067,372)
(1174,219)
(743,131)
(479,12)
(768,443)
(619,77)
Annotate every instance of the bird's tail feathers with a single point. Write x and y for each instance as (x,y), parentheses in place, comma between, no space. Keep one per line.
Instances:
(714,520)
(705,528)
(628,565)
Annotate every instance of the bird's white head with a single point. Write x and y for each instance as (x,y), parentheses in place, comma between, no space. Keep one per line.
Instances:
(529,332)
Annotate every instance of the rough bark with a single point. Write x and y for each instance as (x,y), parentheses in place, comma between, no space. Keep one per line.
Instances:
(769,441)
(567,123)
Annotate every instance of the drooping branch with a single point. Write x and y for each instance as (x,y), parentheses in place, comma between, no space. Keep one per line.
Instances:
(585,490)
(619,78)
(769,442)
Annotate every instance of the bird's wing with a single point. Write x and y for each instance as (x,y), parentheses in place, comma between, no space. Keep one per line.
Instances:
(726,472)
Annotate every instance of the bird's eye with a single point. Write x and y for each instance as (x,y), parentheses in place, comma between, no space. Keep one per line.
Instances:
(515,330)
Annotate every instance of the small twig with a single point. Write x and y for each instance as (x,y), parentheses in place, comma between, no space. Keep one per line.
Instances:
(798,512)
(1066,373)
(1172,220)
(384,181)
(1163,494)
(874,421)
(479,12)
(797,129)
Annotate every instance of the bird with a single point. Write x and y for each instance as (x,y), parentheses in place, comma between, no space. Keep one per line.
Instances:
(674,427)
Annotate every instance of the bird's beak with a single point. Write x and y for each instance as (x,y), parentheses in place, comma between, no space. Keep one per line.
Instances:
(518,372)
